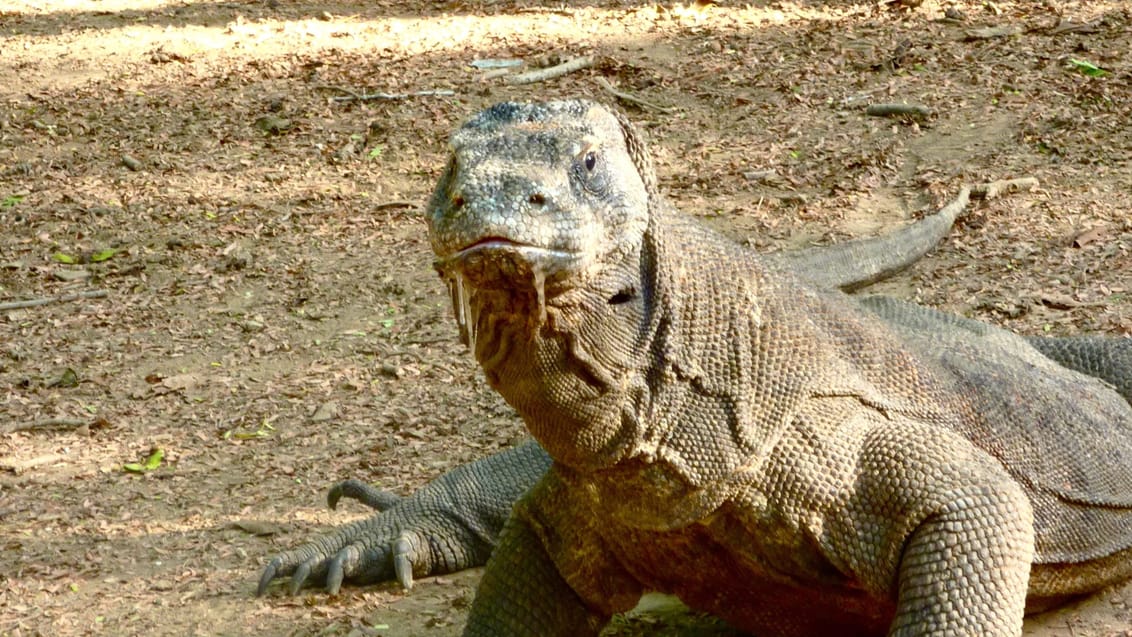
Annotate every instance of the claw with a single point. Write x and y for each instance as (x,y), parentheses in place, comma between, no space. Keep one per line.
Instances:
(402,563)
(336,570)
(268,576)
(334,495)
(299,577)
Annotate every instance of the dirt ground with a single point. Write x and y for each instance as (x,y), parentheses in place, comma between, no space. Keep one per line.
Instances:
(271,321)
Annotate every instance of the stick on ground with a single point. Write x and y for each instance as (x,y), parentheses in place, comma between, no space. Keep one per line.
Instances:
(550,72)
(54,424)
(64,298)
(19,466)
(632,99)
(914,111)
(395,204)
(351,96)
(1001,187)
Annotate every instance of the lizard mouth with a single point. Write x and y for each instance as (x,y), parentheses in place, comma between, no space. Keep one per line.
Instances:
(507,272)
(501,263)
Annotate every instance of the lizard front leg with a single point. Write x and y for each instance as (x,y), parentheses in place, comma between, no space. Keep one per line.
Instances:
(965,570)
(450,524)
(550,575)
(946,529)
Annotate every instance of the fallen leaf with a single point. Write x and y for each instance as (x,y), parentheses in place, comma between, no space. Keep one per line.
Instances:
(67,379)
(1092,235)
(326,411)
(1058,301)
(272,125)
(181,382)
(103,255)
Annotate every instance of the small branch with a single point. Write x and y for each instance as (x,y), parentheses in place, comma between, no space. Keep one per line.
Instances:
(913,111)
(395,204)
(1067,26)
(494,73)
(131,163)
(1001,187)
(550,72)
(632,99)
(18,305)
(53,424)
(544,10)
(19,466)
(990,33)
(351,96)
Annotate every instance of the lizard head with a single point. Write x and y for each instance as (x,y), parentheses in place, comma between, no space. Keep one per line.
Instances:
(538,226)
(552,187)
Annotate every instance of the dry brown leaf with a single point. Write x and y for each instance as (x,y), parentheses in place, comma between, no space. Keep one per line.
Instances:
(1093,235)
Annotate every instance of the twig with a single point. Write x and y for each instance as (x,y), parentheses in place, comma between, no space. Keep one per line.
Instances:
(431,341)
(19,466)
(1067,26)
(395,204)
(914,111)
(351,96)
(131,163)
(632,99)
(990,33)
(550,72)
(49,423)
(1001,187)
(64,298)
(563,11)
(767,176)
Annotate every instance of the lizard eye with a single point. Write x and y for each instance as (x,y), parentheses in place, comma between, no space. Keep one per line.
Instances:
(585,170)
(590,160)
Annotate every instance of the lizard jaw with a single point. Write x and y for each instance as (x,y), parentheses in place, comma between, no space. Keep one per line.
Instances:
(504,268)
(500,263)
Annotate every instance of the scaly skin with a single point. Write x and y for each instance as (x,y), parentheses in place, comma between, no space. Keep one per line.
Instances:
(705,408)
(362,553)
(722,431)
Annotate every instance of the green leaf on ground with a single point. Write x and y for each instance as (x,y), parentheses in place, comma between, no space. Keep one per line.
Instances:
(67,379)
(154,459)
(1088,68)
(151,463)
(63,258)
(265,430)
(103,255)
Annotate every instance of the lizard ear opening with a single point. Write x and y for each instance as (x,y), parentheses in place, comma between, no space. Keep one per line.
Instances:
(623,296)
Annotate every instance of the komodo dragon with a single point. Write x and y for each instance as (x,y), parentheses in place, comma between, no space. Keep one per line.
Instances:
(714,426)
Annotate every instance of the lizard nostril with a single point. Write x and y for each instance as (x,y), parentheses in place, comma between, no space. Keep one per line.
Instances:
(457,202)
(537,199)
